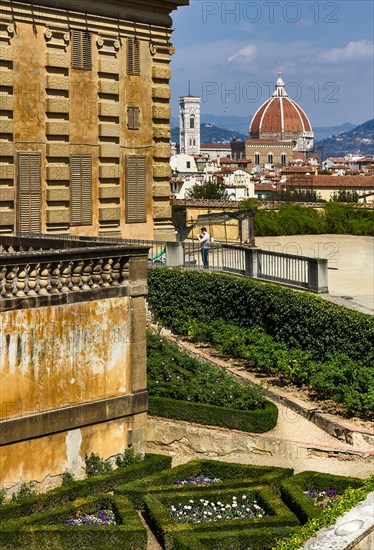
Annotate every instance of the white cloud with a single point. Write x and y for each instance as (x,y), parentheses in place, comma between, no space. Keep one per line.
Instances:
(353,51)
(248,52)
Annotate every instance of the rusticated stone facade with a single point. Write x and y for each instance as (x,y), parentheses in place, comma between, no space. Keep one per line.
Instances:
(72,355)
(84,117)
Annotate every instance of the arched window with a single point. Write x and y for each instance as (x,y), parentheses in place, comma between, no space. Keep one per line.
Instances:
(192,122)
(257,158)
(194,142)
(190,142)
(270,158)
(283,158)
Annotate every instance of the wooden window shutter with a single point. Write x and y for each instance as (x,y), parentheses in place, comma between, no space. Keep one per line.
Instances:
(81,189)
(133,56)
(29,192)
(133,116)
(81,50)
(136,198)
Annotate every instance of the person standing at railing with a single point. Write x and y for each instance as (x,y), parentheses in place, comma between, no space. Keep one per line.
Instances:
(204,240)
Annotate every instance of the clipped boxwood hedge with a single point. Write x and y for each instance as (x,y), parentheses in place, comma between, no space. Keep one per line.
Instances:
(262,538)
(48,529)
(256,421)
(166,528)
(231,475)
(104,483)
(292,491)
(319,326)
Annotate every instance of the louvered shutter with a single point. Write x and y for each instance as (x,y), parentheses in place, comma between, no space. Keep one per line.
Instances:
(29,192)
(133,56)
(81,189)
(133,118)
(81,50)
(136,199)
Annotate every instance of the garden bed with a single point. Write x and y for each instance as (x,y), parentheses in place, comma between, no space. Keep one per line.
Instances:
(184,388)
(295,336)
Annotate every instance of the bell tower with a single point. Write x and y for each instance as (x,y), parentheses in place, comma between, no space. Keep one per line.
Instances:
(189,124)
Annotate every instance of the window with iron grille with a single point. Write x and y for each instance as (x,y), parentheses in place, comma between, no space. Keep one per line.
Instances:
(136,198)
(81,189)
(29,192)
(81,49)
(133,118)
(133,56)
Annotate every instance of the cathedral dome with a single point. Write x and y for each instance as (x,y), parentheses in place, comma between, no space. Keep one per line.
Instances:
(280,118)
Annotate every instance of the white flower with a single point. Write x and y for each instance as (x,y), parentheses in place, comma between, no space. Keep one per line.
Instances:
(190,501)
(244,497)
(260,515)
(233,498)
(173,508)
(219,517)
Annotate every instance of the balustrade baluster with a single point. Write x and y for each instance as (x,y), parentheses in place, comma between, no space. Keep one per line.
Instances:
(10,275)
(125,271)
(107,272)
(76,277)
(55,277)
(32,279)
(116,266)
(86,274)
(65,277)
(21,281)
(96,272)
(44,274)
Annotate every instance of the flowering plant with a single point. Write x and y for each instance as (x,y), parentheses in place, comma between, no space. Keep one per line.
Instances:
(322,497)
(206,510)
(96,465)
(101,517)
(196,480)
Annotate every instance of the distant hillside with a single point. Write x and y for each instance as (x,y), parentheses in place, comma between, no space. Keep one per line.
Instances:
(359,141)
(212,134)
(240,125)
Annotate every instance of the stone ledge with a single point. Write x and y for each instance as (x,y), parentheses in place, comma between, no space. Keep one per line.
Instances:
(69,418)
(352,528)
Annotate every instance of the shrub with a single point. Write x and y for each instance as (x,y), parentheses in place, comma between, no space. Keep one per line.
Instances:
(67,478)
(2,495)
(24,491)
(128,457)
(96,465)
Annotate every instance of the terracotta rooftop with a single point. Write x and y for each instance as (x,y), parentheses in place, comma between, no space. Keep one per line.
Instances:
(215,146)
(355,182)
(206,203)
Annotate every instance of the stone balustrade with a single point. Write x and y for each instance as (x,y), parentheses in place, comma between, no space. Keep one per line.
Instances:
(30,268)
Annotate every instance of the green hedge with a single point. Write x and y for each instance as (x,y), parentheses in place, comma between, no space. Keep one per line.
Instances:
(257,421)
(92,485)
(317,325)
(292,491)
(48,529)
(231,475)
(350,498)
(166,529)
(256,539)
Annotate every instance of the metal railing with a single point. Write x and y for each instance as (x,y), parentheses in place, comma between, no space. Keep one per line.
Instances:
(287,268)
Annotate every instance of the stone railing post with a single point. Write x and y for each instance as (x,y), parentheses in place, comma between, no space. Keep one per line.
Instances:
(174,254)
(318,275)
(251,265)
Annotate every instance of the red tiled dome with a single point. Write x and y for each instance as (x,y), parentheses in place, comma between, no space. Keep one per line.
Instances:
(279,115)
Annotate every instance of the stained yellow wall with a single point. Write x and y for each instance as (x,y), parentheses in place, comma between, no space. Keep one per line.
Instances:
(58,356)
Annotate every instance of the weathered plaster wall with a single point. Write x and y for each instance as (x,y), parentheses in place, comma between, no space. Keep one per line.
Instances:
(58,356)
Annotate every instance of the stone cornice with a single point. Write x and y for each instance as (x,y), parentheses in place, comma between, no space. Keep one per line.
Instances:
(148,12)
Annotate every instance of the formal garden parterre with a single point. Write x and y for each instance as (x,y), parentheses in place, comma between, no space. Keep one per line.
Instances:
(220,506)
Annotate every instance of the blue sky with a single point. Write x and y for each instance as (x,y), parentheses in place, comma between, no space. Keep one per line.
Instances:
(232,51)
